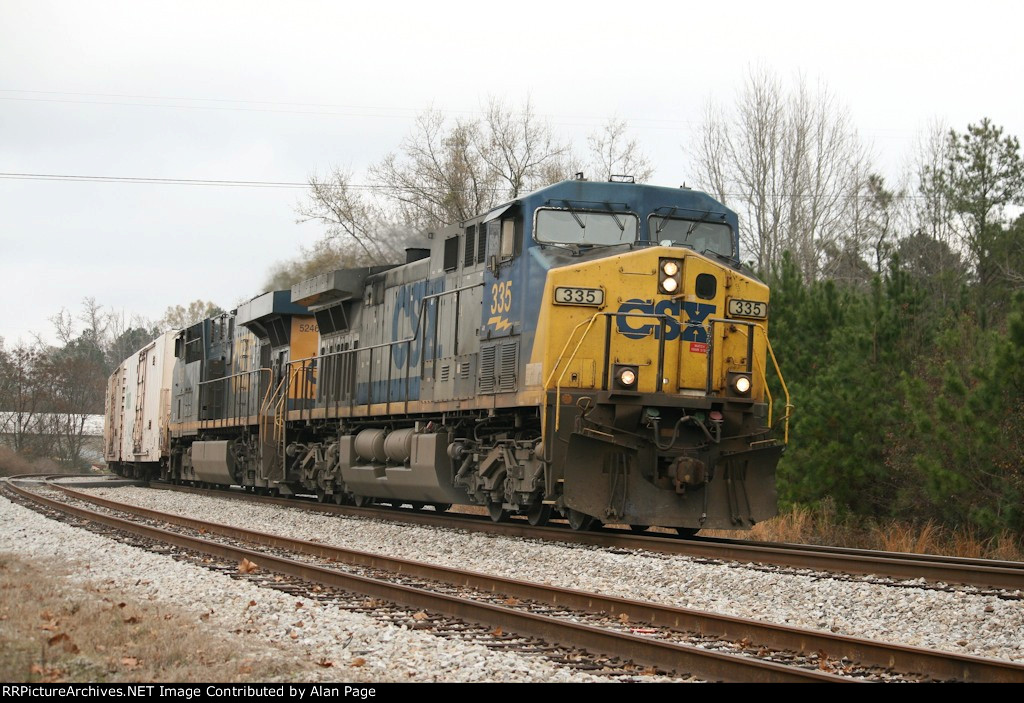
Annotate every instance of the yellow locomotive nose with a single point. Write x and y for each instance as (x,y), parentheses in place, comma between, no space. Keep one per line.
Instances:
(667,314)
(654,366)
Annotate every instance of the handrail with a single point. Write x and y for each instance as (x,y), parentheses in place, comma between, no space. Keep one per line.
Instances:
(234,375)
(234,395)
(413,338)
(268,399)
(763,368)
(589,323)
(354,352)
(785,390)
(558,394)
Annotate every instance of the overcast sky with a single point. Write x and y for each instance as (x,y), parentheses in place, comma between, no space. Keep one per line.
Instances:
(274,91)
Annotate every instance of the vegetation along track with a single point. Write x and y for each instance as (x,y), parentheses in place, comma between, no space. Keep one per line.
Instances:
(981,573)
(607,625)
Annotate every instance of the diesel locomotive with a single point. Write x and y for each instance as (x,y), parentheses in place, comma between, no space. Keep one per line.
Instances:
(590,349)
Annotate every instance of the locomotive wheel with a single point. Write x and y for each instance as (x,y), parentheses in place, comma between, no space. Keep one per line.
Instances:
(416,506)
(579,521)
(361,501)
(321,495)
(687,531)
(639,528)
(441,507)
(340,498)
(497,513)
(538,514)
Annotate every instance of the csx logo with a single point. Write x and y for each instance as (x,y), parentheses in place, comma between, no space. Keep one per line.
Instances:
(640,327)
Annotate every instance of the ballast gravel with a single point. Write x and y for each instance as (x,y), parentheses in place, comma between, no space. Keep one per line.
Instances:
(961,620)
(388,653)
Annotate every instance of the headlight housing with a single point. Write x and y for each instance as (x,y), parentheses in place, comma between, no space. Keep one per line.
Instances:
(625,376)
(670,276)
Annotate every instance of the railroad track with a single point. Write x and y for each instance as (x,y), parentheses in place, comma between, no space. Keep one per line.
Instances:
(981,573)
(653,635)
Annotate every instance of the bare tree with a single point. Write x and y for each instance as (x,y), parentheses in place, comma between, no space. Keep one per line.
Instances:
(791,165)
(76,377)
(24,396)
(934,212)
(566,166)
(95,320)
(614,153)
(826,168)
(518,147)
(180,317)
(438,178)
(125,335)
(739,159)
(323,256)
(875,216)
(354,222)
(47,392)
(447,173)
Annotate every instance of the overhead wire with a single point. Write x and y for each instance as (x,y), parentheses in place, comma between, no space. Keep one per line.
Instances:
(305,184)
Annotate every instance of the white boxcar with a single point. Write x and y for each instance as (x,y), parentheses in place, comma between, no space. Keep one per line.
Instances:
(138,404)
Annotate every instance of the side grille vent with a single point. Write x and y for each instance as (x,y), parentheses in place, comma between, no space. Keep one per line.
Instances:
(499,364)
(485,381)
(509,366)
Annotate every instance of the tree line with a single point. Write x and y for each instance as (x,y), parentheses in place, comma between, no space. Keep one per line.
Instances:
(48,390)
(897,312)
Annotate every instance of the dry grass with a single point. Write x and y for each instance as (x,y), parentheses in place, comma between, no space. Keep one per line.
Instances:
(13,464)
(822,526)
(56,630)
(803,525)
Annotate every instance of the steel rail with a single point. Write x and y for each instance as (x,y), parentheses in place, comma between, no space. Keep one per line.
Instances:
(904,659)
(668,656)
(982,573)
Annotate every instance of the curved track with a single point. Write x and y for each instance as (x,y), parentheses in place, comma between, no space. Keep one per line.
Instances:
(982,573)
(649,649)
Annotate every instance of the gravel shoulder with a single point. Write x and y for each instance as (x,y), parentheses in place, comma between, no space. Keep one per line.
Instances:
(962,620)
(245,625)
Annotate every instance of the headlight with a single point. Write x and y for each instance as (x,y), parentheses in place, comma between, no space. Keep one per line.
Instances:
(670,268)
(670,285)
(627,377)
(739,382)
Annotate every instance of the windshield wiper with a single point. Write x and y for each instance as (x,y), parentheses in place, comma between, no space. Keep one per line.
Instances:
(574,215)
(664,220)
(693,226)
(620,223)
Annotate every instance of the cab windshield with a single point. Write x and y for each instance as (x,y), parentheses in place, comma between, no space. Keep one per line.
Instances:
(715,237)
(585,227)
